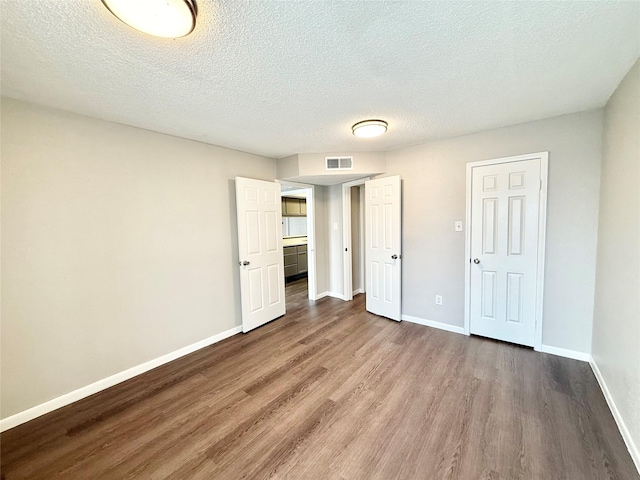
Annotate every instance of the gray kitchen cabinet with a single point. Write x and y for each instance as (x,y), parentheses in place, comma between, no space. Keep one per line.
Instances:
(302,262)
(295,260)
(294,207)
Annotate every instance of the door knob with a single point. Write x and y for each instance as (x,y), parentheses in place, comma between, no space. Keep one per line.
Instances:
(394,256)
(476,261)
(244,264)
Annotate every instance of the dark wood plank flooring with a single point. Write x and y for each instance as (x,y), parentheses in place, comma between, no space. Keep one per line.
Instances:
(332,392)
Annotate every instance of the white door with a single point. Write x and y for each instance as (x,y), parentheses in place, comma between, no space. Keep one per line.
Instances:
(383,254)
(260,249)
(505,210)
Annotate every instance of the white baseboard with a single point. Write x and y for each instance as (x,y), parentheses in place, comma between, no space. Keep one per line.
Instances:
(624,431)
(563,352)
(95,387)
(431,323)
(336,295)
(358,291)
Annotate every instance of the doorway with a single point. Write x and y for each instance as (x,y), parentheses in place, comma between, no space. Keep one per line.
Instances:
(505,246)
(357,246)
(298,236)
(378,249)
(353,238)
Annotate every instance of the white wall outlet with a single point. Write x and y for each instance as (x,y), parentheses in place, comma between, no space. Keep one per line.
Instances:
(458,225)
(438,299)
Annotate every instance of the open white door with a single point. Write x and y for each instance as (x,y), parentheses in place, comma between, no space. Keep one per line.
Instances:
(506,251)
(383,247)
(260,248)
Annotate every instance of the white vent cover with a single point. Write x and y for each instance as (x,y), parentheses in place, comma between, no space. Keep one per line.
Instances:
(339,163)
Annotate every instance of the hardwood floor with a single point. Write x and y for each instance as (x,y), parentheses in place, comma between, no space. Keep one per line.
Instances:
(332,392)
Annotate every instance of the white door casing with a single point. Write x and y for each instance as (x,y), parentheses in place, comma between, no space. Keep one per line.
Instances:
(383,246)
(505,247)
(261,261)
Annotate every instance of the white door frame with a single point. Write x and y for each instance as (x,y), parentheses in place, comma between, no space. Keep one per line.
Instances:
(363,244)
(311,234)
(542,227)
(347,289)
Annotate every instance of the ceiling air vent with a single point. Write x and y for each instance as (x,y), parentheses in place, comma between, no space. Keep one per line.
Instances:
(339,163)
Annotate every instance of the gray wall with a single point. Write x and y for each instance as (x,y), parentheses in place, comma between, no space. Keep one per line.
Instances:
(616,325)
(322,258)
(433,181)
(118,246)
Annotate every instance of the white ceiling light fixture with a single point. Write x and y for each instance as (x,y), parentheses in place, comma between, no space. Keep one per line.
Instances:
(161,18)
(369,128)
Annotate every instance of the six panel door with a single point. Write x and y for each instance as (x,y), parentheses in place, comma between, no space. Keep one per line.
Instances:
(383,247)
(505,202)
(261,260)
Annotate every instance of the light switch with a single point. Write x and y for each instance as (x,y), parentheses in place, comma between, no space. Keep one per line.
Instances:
(335,226)
(458,226)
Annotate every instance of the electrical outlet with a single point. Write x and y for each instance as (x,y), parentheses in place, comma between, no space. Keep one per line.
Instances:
(438,299)
(458,226)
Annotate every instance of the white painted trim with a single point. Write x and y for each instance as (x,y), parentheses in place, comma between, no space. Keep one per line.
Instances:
(95,387)
(467,257)
(338,295)
(356,292)
(347,274)
(563,352)
(363,243)
(542,229)
(515,158)
(330,294)
(346,236)
(432,323)
(311,245)
(298,193)
(542,248)
(634,451)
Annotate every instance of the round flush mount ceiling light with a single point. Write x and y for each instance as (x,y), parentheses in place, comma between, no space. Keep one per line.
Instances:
(161,18)
(369,128)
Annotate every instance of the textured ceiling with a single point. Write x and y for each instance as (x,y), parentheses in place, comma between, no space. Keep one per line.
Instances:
(278,78)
